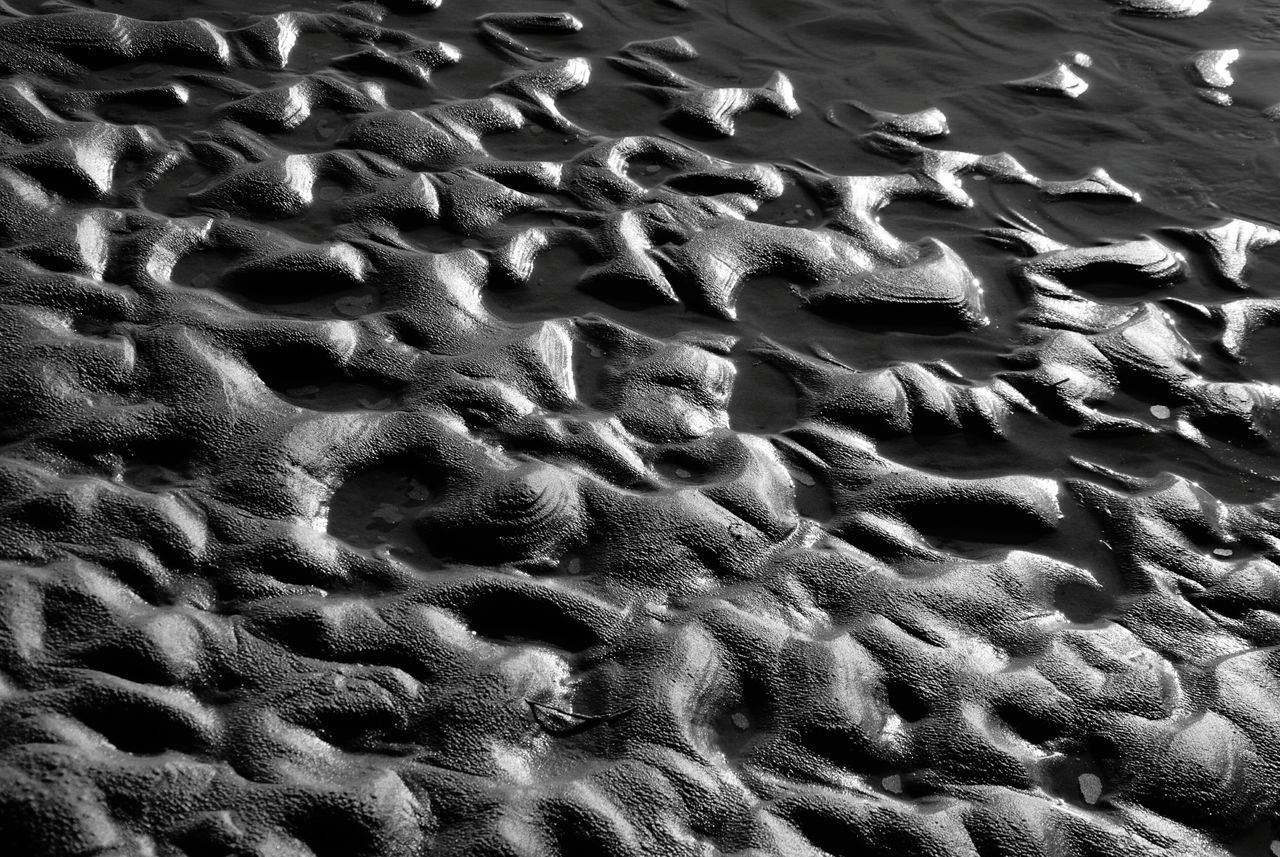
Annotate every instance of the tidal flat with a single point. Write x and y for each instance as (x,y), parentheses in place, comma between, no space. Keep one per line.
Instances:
(754,428)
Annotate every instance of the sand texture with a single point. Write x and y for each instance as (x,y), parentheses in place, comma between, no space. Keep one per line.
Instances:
(811,428)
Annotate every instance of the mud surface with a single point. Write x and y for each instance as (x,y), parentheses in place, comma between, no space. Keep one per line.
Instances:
(636,427)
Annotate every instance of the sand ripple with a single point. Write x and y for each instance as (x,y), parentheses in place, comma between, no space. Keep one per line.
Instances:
(437,428)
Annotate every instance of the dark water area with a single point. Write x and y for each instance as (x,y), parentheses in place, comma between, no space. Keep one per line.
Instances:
(637,427)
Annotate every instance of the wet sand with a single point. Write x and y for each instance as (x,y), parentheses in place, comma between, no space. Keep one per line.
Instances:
(636,427)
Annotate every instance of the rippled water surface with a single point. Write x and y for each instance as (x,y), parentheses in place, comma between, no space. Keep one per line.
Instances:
(633,427)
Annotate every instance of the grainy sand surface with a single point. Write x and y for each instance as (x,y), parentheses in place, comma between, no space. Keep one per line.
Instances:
(639,427)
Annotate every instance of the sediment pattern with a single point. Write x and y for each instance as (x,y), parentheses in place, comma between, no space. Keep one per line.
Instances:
(438,428)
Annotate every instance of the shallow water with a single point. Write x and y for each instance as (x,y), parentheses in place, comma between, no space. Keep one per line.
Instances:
(639,427)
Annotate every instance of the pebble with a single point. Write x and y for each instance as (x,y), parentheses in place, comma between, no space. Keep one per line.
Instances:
(1090,788)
